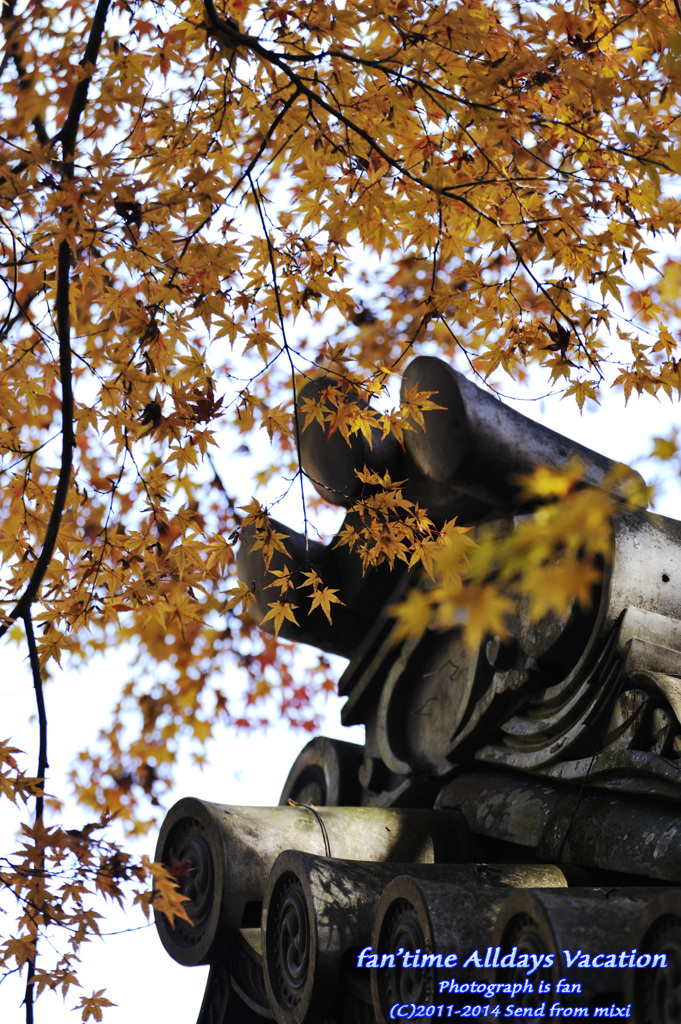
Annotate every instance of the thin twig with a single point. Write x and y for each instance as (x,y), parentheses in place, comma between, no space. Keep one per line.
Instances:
(280,312)
(40,799)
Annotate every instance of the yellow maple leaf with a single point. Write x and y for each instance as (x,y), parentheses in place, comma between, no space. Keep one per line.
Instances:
(22,948)
(414,403)
(550,482)
(283,578)
(93,1005)
(168,898)
(583,389)
(280,611)
(558,584)
(413,615)
(322,597)
(486,609)
(665,447)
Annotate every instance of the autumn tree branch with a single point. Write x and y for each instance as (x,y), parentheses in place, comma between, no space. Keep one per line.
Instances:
(40,705)
(67,136)
(314,98)
(22,609)
(69,131)
(282,326)
(42,771)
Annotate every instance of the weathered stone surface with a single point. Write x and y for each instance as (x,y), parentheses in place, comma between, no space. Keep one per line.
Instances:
(551,757)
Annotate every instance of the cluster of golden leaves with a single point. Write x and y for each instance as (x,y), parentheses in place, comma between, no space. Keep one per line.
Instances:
(181,236)
(543,564)
(62,880)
